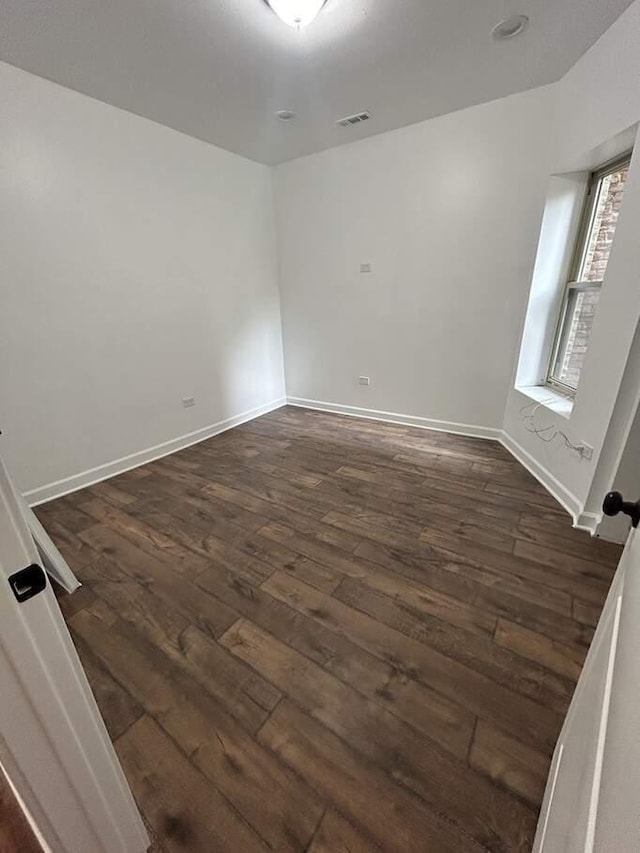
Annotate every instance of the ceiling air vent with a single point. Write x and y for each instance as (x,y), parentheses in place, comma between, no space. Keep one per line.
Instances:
(354,119)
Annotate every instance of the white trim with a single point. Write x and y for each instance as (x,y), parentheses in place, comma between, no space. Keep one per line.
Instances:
(549,398)
(552,791)
(54,743)
(583,521)
(589,521)
(555,488)
(141,457)
(602,732)
(52,560)
(490,433)
(614,528)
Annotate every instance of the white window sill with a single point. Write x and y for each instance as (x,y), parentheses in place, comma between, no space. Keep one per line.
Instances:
(549,398)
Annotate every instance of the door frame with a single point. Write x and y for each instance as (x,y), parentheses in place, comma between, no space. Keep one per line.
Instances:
(590,802)
(53,742)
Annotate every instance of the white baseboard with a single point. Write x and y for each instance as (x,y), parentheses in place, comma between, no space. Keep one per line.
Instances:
(612,529)
(581,520)
(141,457)
(472,430)
(551,483)
(589,521)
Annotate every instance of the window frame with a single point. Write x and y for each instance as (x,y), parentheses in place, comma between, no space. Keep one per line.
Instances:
(574,284)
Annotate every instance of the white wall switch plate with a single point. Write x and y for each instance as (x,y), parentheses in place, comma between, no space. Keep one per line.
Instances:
(586,451)
(364,380)
(365,267)
(188,401)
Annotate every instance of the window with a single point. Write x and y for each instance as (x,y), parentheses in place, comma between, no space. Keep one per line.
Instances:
(582,293)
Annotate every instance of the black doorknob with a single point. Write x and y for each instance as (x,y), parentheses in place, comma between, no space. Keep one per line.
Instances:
(614,504)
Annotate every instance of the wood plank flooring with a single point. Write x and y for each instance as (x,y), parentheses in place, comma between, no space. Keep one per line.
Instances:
(16,835)
(327,634)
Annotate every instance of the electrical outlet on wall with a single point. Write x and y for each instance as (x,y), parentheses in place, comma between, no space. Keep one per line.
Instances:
(364,380)
(187,402)
(586,451)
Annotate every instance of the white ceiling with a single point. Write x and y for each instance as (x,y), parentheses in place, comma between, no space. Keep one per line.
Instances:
(219,69)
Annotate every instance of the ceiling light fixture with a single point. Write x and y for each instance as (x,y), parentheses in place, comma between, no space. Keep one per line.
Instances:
(296,13)
(510,27)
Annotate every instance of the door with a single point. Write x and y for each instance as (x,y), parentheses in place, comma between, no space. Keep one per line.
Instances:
(593,790)
(53,744)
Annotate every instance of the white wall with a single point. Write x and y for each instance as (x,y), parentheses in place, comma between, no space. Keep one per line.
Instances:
(627,478)
(448,213)
(137,268)
(619,463)
(560,225)
(597,100)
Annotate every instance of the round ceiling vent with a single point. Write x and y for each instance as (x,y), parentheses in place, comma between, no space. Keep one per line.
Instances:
(285,115)
(510,27)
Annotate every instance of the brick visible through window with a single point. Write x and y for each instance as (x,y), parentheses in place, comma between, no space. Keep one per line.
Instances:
(607,211)
(583,291)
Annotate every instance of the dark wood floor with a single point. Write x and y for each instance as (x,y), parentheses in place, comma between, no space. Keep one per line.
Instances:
(16,836)
(327,634)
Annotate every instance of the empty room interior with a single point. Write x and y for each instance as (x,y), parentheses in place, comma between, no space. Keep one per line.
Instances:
(320,439)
